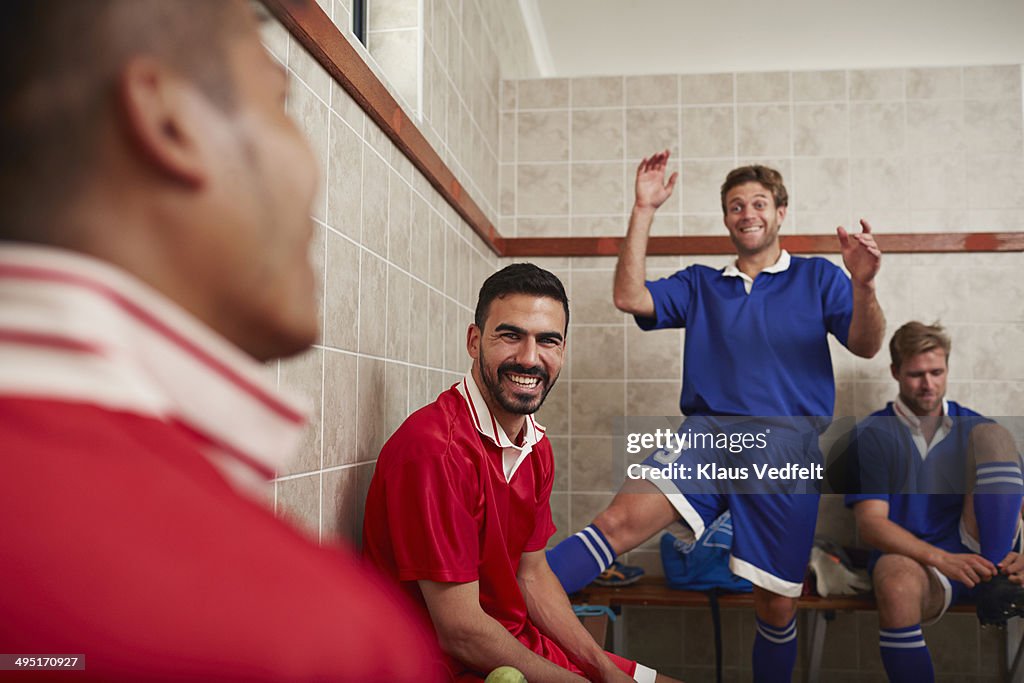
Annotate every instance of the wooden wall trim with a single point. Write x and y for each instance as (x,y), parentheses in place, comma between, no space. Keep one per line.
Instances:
(903,243)
(315,31)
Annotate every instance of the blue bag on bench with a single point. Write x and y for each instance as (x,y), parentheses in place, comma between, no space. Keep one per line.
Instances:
(704,564)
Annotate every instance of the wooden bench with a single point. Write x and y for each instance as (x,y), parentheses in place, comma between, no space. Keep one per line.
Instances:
(652,591)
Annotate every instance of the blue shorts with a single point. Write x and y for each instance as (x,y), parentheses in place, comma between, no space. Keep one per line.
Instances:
(772,532)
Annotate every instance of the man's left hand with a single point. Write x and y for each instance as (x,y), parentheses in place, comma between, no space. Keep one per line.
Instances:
(1013,566)
(861,254)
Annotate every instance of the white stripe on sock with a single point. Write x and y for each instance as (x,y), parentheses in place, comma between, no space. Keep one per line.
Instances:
(598,560)
(773,639)
(916,643)
(899,634)
(778,631)
(998,468)
(609,556)
(983,481)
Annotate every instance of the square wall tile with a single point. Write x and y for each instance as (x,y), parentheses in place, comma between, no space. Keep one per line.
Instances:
(816,86)
(303,375)
(652,90)
(877,84)
(763,87)
(298,502)
(597,134)
(542,189)
(708,132)
(340,407)
(598,188)
(706,89)
(543,93)
(992,82)
(820,130)
(600,91)
(543,136)
(877,129)
(651,130)
(935,83)
(763,130)
(597,352)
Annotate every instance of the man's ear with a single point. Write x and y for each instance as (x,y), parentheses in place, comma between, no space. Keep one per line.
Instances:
(895,372)
(473,341)
(782,213)
(164,115)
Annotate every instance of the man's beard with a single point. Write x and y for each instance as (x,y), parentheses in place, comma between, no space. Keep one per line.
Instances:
(922,405)
(509,400)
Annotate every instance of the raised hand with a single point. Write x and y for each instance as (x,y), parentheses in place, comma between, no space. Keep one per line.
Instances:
(861,254)
(651,189)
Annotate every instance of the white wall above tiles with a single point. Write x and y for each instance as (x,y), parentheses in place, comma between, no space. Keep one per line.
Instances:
(599,37)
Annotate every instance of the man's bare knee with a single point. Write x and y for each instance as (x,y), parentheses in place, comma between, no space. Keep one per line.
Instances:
(773,609)
(992,442)
(901,588)
(634,515)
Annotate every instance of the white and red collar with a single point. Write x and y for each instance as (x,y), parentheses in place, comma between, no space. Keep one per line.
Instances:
(912,422)
(489,427)
(76,329)
(782,264)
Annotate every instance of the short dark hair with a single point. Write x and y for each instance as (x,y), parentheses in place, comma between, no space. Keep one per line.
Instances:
(520,278)
(769,177)
(59,64)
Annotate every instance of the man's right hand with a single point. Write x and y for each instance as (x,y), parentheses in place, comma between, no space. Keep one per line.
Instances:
(967,568)
(651,189)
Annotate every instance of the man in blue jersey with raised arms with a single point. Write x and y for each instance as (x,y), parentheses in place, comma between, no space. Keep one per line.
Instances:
(756,345)
(939,492)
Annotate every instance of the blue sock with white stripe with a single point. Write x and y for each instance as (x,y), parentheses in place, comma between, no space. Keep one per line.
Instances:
(905,655)
(578,560)
(774,652)
(998,491)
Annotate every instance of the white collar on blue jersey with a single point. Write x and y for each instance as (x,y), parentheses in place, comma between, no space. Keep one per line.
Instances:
(912,422)
(782,264)
(748,282)
(907,417)
(488,426)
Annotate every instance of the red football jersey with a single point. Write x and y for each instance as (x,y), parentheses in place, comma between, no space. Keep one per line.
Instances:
(442,507)
(135,446)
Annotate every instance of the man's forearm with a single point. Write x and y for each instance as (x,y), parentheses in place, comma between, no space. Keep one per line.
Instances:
(867,326)
(630,290)
(485,644)
(550,610)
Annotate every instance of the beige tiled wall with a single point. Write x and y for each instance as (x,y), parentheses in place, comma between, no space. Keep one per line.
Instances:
(915,150)
(399,268)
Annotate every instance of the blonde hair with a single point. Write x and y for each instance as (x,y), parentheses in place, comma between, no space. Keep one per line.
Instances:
(916,337)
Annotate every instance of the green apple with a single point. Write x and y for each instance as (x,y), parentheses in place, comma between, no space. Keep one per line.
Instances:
(505,674)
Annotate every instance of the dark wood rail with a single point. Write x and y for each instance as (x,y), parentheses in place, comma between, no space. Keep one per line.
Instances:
(315,31)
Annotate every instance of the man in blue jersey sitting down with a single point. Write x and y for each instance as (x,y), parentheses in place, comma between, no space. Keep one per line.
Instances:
(756,346)
(939,498)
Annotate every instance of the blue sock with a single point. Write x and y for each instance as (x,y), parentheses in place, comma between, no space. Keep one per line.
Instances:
(905,655)
(998,491)
(578,560)
(774,653)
